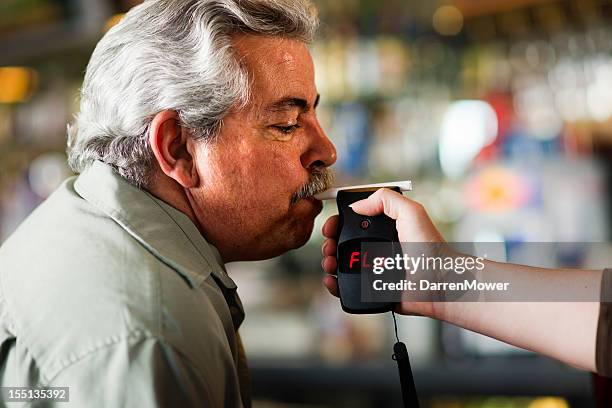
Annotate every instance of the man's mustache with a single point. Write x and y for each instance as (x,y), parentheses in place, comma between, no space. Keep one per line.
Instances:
(319,181)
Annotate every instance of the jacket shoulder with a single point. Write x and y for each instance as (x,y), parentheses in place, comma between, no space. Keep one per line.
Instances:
(72,280)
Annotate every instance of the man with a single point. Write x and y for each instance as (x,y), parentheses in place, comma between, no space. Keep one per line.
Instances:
(197,144)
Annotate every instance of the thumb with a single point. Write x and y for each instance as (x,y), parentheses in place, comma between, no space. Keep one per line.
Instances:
(384,201)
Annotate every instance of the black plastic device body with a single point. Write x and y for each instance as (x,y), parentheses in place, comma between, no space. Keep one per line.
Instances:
(355,229)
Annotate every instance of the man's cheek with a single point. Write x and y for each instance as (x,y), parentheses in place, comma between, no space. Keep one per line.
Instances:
(283,173)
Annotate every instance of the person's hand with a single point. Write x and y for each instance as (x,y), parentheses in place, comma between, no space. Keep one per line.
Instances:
(412,224)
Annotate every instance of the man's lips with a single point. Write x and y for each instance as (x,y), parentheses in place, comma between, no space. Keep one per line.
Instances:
(317,203)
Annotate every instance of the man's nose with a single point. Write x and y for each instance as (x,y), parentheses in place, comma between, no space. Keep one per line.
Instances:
(321,151)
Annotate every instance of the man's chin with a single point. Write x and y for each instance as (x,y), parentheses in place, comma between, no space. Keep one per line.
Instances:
(301,239)
(300,230)
(292,240)
(305,213)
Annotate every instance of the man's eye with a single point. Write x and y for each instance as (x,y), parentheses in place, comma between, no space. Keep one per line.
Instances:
(286,129)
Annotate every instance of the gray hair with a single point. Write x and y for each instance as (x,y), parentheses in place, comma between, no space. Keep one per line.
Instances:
(177,55)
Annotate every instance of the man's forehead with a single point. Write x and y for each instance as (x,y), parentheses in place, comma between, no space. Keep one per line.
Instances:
(274,49)
(288,58)
(278,67)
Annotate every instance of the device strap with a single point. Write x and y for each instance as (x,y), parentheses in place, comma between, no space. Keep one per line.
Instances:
(400,355)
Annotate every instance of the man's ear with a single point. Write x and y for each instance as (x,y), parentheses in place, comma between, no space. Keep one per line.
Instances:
(169,141)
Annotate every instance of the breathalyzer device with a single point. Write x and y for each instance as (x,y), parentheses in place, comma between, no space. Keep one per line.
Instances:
(353,231)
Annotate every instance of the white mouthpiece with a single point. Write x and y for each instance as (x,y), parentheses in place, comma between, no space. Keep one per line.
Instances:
(332,193)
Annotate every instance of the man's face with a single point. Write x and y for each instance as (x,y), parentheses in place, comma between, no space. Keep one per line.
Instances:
(264,154)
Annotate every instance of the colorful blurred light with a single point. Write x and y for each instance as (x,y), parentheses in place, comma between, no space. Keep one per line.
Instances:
(549,402)
(467,127)
(17,84)
(497,189)
(448,20)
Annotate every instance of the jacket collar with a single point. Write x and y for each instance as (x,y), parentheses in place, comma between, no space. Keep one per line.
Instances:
(163,230)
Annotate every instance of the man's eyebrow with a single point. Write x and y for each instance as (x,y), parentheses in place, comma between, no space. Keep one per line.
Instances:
(291,102)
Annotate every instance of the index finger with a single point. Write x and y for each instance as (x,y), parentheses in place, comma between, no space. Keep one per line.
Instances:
(389,202)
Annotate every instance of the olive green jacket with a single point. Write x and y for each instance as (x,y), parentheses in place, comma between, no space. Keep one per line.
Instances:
(113,293)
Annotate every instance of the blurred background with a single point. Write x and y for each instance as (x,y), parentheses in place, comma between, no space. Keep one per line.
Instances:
(499,111)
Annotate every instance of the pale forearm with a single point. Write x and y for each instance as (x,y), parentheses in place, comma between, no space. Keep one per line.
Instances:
(562,330)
